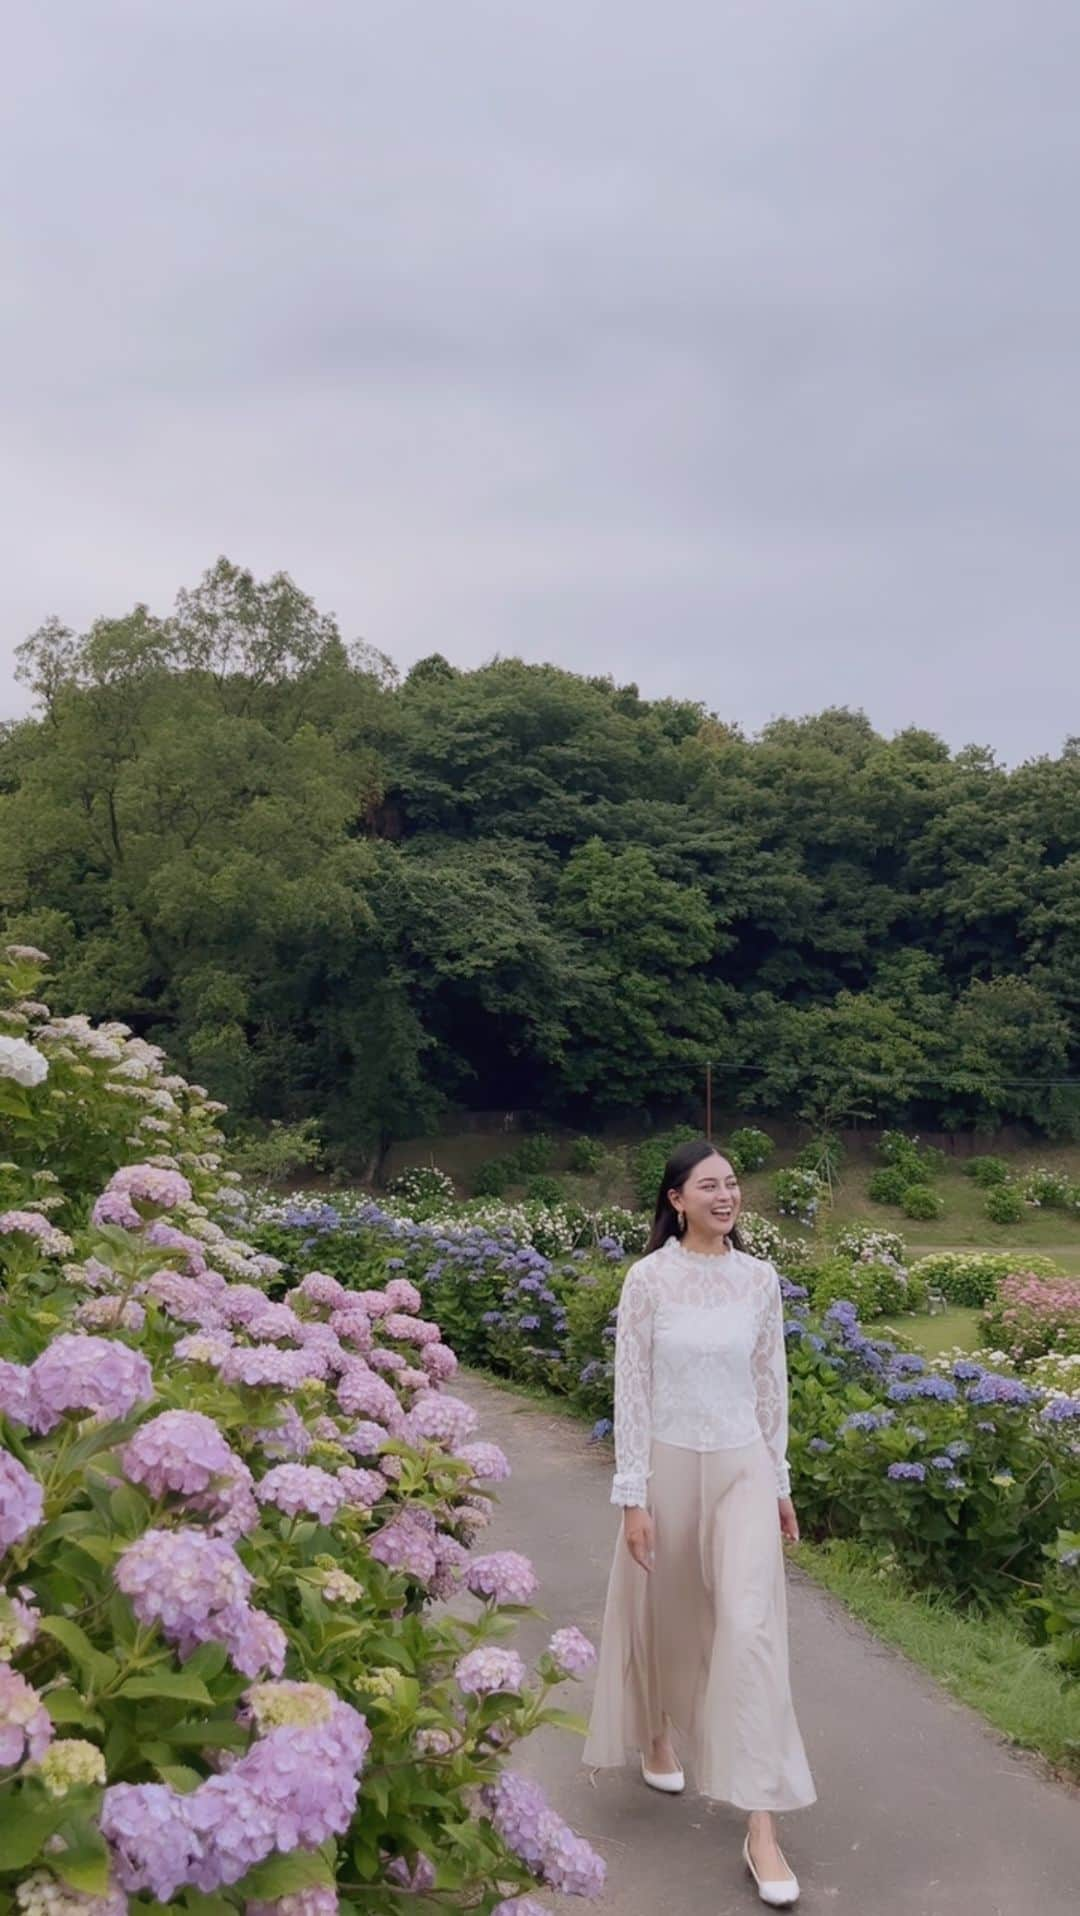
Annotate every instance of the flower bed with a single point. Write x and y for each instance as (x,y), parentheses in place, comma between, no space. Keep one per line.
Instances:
(225,1518)
(1033,1316)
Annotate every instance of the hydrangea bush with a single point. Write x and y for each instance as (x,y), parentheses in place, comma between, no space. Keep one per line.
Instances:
(228,1507)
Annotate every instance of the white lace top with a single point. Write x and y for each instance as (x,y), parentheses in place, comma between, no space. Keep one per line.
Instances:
(699,1361)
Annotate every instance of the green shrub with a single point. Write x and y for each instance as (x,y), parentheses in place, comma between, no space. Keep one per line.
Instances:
(544,1190)
(874,1289)
(1004,1204)
(534,1155)
(493,1178)
(1058,1608)
(586,1156)
(748,1148)
(920,1161)
(922,1202)
(889,1185)
(278,1150)
(987,1171)
(1053,1189)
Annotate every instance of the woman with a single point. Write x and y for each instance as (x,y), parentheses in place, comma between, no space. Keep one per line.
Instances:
(695,1628)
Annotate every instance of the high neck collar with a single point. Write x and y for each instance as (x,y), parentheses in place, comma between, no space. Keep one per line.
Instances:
(702,1257)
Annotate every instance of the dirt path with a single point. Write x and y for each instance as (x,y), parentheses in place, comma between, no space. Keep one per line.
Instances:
(922,1810)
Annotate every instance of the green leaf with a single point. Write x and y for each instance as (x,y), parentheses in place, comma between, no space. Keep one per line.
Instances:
(67,1706)
(180,1776)
(24,1830)
(98,1668)
(208,1661)
(286,1875)
(565,1720)
(219,1733)
(128,1508)
(175,1684)
(84,1862)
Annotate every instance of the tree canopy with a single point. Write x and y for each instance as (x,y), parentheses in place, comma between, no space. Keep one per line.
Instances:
(328,889)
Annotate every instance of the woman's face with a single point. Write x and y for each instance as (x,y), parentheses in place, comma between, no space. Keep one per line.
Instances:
(710,1199)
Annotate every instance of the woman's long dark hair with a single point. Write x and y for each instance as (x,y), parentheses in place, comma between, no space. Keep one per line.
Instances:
(682,1161)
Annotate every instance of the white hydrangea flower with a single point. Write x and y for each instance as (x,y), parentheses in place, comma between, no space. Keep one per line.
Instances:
(23,1062)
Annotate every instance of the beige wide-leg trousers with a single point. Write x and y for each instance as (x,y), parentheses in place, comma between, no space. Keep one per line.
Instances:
(702,1639)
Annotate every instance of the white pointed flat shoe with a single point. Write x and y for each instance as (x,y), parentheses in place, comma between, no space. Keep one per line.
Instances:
(779,1895)
(671,1782)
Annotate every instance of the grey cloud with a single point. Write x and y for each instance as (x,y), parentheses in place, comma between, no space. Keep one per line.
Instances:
(731,348)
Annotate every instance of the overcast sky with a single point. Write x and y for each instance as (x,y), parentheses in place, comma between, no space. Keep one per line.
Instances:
(728,346)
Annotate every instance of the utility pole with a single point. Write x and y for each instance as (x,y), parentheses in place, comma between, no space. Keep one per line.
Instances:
(708,1101)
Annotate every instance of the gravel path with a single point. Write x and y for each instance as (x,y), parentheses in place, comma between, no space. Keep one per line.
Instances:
(922,1809)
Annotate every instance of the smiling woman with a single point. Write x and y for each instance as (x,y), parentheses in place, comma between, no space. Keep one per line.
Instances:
(695,1627)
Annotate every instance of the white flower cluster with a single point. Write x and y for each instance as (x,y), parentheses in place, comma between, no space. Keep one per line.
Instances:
(22,1061)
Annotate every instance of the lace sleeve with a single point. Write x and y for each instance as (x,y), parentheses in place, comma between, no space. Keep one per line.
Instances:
(769,1366)
(633,1390)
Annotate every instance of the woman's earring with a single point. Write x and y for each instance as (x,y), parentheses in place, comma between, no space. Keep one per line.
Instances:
(681,1226)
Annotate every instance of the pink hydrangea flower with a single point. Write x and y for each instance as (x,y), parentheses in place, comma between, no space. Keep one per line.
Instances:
(50,1241)
(110,1314)
(361,1394)
(404,1545)
(167,1237)
(151,1184)
(365,1439)
(504,1577)
(181,1451)
(439,1418)
(14,1392)
(354,1325)
(322,1289)
(190,1300)
(488,1463)
(302,1489)
(375,1303)
(265,1367)
(489,1669)
(88,1374)
(387,1361)
(25,1725)
(571,1651)
(410,1330)
(541,1839)
(402,1295)
(439,1362)
(362,1488)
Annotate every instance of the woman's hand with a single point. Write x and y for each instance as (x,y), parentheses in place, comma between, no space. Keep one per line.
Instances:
(789,1522)
(640,1536)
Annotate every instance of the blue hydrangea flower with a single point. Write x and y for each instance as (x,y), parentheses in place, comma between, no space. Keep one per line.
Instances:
(907,1473)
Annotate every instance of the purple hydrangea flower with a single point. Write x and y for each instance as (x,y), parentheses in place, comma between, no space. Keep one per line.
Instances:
(401,1295)
(504,1577)
(572,1652)
(95,1374)
(941,1389)
(541,1839)
(153,1845)
(409,1330)
(907,1472)
(992,1388)
(321,1288)
(418,1880)
(192,1585)
(1061,1410)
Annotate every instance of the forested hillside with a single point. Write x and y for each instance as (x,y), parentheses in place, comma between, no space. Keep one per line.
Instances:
(330,891)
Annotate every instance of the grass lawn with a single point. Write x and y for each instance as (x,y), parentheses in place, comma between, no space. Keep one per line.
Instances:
(985,1661)
(949,1330)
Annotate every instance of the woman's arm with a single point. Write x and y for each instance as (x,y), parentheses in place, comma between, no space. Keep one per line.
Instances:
(633,1390)
(769,1369)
